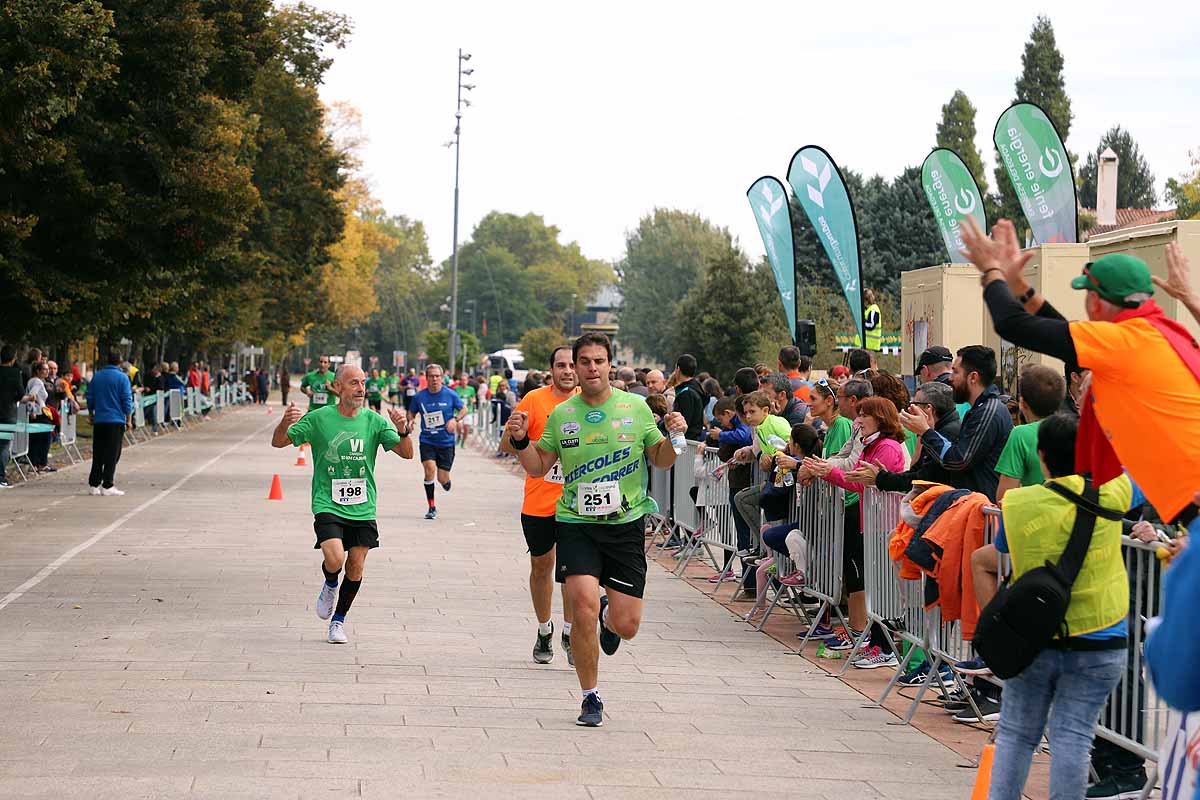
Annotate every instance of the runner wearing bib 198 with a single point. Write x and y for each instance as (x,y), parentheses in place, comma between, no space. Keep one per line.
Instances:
(537,512)
(440,410)
(318,386)
(344,440)
(600,437)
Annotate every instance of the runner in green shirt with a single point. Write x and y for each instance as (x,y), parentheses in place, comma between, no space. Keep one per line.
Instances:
(344,440)
(466,390)
(318,384)
(601,438)
(393,387)
(375,386)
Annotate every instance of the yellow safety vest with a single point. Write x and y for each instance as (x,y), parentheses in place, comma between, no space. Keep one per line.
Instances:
(1037,525)
(874,336)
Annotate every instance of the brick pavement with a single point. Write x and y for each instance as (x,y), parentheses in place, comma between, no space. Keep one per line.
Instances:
(179,655)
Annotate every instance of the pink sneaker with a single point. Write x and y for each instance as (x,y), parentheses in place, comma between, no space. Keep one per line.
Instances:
(795,579)
(723,577)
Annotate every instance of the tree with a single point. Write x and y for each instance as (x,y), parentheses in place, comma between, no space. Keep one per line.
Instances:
(956,132)
(721,318)
(538,345)
(435,342)
(1041,82)
(1135,182)
(1185,192)
(664,256)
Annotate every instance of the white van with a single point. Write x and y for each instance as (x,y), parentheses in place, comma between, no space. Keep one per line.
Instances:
(508,359)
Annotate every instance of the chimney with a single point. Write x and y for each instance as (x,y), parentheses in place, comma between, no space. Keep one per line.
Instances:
(1106,188)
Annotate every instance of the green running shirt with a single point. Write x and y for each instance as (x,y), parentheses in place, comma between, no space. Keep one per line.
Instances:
(601,450)
(343,451)
(320,383)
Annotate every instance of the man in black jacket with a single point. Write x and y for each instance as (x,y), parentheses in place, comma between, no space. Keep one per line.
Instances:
(689,397)
(785,403)
(936,401)
(984,429)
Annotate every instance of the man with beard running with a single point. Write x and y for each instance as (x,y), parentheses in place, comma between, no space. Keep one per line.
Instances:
(318,386)
(537,512)
(603,439)
(344,439)
(441,412)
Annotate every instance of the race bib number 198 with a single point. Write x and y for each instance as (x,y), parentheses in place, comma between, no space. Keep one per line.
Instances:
(598,499)
(349,491)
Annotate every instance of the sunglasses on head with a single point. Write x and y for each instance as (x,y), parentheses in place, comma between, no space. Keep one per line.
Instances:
(827,386)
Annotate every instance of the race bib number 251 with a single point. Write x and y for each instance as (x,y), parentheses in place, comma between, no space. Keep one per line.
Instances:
(598,499)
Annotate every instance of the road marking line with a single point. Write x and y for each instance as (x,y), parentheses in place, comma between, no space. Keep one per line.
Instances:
(53,566)
(5,525)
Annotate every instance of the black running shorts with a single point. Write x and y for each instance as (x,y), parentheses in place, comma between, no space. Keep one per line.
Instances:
(352,532)
(442,456)
(613,553)
(540,534)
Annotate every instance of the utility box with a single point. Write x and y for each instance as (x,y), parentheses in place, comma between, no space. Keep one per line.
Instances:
(1149,243)
(942,305)
(1050,271)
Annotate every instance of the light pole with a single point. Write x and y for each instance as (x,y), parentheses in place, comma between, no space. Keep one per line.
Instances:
(453,343)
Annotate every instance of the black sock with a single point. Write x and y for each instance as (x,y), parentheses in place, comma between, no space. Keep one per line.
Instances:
(346,596)
(429,492)
(331,578)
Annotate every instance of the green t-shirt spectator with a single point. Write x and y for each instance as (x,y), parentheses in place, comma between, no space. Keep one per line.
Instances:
(1019,458)
(835,438)
(344,450)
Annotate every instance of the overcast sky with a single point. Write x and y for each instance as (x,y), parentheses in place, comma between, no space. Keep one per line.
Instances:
(592,116)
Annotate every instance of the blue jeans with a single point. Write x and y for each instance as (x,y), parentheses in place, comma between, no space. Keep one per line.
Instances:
(1069,688)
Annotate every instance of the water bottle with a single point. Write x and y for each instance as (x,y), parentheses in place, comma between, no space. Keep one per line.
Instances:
(678,442)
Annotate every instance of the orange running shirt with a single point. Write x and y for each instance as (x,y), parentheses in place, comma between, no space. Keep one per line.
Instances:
(541,495)
(1148,405)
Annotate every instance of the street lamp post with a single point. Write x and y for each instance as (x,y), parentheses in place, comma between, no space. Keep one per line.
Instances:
(453,343)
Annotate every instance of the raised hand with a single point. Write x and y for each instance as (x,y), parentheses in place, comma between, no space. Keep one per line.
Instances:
(517,425)
(914,420)
(400,419)
(1002,251)
(675,423)
(292,415)
(1178,283)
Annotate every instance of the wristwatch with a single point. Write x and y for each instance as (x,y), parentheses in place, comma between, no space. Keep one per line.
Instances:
(1027,295)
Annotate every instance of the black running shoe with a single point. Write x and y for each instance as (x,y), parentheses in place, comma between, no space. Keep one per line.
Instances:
(609,641)
(543,648)
(431,513)
(446,486)
(591,714)
(566,646)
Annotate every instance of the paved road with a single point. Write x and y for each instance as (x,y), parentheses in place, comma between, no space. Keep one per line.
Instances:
(164,644)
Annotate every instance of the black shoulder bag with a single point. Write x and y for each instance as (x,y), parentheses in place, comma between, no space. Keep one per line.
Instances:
(1024,617)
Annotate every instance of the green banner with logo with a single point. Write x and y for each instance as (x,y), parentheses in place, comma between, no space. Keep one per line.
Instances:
(769,201)
(953,195)
(821,191)
(1037,164)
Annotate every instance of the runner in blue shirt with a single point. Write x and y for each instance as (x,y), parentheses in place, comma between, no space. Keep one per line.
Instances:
(440,410)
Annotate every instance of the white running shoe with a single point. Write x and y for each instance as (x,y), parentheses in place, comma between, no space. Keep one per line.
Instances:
(112,491)
(325,601)
(337,633)
(94,490)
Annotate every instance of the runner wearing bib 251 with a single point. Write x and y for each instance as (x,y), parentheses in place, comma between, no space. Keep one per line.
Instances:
(344,439)
(318,386)
(600,437)
(537,512)
(440,410)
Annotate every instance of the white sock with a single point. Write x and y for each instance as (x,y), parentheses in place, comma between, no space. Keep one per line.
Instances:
(566,629)
(545,628)
(593,690)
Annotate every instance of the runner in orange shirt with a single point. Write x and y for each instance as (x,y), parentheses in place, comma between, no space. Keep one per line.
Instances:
(537,512)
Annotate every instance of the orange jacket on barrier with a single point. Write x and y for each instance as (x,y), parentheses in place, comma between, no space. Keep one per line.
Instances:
(959,533)
(903,533)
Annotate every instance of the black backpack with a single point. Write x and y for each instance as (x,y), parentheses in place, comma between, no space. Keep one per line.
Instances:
(1024,617)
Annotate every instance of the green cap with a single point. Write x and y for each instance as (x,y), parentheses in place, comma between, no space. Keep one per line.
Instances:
(1115,277)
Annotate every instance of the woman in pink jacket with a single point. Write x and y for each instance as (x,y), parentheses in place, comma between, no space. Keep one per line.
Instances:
(878,423)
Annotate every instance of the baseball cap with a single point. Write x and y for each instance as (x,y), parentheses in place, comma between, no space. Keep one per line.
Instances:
(1115,277)
(934,355)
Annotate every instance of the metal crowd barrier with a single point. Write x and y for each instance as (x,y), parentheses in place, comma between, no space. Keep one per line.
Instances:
(67,436)
(714,517)
(175,408)
(20,440)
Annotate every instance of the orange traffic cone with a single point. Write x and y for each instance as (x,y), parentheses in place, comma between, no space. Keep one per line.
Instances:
(276,489)
(300,462)
(983,777)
